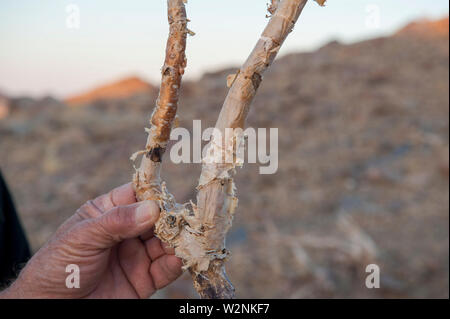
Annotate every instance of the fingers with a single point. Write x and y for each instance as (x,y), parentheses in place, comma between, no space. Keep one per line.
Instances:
(124,222)
(120,196)
(136,264)
(165,270)
(155,248)
(165,267)
(144,274)
(147,235)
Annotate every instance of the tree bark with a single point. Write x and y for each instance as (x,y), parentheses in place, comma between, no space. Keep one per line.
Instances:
(198,232)
(147,181)
(216,198)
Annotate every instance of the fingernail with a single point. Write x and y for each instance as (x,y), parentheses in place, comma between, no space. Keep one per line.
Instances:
(146,212)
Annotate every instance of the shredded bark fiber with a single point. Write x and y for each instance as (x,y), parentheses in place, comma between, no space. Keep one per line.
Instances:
(198,231)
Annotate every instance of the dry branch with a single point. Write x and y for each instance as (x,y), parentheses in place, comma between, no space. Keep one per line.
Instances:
(216,199)
(147,179)
(198,234)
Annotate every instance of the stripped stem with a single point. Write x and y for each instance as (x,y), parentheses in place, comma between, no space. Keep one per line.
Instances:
(216,200)
(198,233)
(147,181)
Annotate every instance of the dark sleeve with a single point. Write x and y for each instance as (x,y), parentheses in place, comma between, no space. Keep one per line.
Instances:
(14,249)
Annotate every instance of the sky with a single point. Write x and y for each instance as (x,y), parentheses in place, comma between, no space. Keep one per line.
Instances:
(65,47)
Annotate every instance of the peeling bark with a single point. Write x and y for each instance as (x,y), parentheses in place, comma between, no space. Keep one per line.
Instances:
(147,181)
(198,231)
(216,191)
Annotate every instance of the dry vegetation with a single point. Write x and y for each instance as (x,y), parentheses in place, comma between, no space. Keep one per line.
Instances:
(363,174)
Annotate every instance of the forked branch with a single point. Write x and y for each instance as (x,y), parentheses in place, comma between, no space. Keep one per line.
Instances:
(198,233)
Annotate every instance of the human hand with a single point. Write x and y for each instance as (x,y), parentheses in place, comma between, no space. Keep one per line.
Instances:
(111,240)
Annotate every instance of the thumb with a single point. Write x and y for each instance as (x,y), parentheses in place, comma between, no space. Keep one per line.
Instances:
(124,222)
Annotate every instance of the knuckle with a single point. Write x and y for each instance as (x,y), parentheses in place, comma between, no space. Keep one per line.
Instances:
(89,210)
(104,202)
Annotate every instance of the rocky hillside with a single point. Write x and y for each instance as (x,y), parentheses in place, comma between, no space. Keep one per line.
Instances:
(363,168)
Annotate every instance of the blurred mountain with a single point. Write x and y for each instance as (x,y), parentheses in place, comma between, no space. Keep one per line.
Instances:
(4,106)
(363,168)
(118,90)
(427,28)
